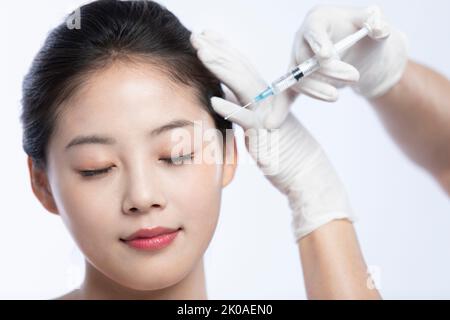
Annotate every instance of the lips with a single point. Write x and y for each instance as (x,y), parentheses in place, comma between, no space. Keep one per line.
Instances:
(150,233)
(151,239)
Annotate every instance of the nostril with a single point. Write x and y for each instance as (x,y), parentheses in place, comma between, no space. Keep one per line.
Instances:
(136,210)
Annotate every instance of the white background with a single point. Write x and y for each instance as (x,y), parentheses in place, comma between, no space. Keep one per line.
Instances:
(404,217)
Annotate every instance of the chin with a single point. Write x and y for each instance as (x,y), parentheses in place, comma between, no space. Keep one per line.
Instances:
(152,278)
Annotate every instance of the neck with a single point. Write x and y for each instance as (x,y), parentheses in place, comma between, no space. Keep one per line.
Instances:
(97,286)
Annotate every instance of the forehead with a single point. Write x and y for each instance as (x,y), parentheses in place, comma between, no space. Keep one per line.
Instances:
(129,96)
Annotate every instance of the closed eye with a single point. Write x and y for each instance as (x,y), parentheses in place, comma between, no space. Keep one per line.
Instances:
(176,161)
(96,172)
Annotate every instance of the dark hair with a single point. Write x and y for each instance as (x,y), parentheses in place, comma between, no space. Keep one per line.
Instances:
(109,30)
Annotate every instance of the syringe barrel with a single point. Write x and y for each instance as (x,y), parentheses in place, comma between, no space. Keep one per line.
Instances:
(290,78)
(283,83)
(310,66)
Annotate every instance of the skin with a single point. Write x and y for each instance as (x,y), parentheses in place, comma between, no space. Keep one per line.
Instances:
(332,261)
(416,113)
(333,264)
(331,258)
(125,102)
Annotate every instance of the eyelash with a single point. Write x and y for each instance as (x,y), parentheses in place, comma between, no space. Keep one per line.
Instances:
(170,161)
(91,173)
(175,161)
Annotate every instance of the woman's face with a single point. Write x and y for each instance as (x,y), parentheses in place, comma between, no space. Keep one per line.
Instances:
(123,123)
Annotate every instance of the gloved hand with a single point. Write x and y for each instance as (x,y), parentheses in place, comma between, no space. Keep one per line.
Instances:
(377,61)
(289,156)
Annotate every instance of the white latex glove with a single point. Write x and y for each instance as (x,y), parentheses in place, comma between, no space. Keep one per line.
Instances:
(296,165)
(371,67)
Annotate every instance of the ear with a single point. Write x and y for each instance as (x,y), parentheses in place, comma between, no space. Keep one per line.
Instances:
(230,161)
(41,187)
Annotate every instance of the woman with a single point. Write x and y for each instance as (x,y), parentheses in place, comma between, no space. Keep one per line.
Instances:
(104,107)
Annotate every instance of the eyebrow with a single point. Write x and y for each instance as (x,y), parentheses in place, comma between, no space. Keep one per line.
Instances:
(105,140)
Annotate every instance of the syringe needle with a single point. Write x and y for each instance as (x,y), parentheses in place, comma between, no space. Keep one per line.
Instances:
(236,111)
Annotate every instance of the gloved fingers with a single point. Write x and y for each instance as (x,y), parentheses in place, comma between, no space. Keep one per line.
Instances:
(245,118)
(315,33)
(213,40)
(228,65)
(333,68)
(317,89)
(280,109)
(373,18)
(243,87)
(339,70)
(229,95)
(213,36)
(213,58)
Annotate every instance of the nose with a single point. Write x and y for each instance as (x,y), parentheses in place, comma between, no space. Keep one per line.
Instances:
(143,193)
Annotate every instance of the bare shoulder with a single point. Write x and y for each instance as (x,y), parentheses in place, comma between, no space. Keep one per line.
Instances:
(72,295)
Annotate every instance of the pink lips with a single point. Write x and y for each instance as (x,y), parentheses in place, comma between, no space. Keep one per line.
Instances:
(151,239)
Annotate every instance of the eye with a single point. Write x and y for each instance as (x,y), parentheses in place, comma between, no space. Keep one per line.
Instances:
(96,172)
(177,161)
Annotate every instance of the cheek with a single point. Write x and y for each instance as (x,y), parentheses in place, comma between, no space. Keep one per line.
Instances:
(196,192)
(193,192)
(89,212)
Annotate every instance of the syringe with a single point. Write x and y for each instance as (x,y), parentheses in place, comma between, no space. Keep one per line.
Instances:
(303,70)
